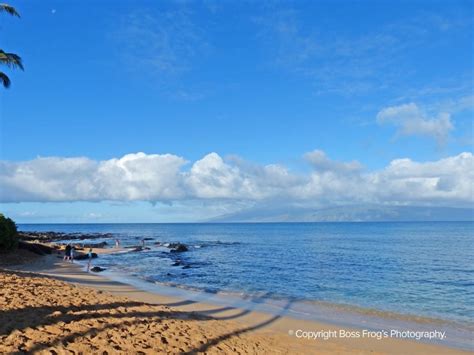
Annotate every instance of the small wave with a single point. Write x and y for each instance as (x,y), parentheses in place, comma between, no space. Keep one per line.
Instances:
(214,243)
(382,314)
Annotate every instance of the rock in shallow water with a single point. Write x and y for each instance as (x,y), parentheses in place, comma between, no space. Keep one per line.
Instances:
(97,269)
(178,248)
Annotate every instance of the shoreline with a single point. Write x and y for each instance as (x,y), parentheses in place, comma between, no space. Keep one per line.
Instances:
(331,314)
(277,324)
(90,237)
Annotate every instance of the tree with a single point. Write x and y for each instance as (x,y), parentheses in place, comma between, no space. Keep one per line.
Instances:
(8,233)
(11,60)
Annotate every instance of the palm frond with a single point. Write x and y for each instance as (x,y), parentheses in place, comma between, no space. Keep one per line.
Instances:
(9,10)
(11,59)
(5,80)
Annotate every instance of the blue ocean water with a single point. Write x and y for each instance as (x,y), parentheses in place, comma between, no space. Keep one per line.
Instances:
(422,269)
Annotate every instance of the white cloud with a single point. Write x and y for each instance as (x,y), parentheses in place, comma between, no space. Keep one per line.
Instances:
(139,177)
(154,177)
(321,162)
(132,177)
(413,121)
(449,179)
(211,177)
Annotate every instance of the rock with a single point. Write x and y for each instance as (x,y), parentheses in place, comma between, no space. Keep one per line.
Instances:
(56,236)
(178,248)
(148,239)
(187,267)
(97,269)
(39,249)
(176,263)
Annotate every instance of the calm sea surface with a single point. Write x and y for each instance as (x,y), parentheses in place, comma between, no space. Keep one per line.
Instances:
(423,269)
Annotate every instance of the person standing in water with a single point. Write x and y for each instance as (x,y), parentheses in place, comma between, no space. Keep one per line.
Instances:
(67,252)
(89,256)
(72,253)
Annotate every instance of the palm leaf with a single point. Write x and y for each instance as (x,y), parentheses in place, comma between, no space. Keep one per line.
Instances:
(9,10)
(5,80)
(11,59)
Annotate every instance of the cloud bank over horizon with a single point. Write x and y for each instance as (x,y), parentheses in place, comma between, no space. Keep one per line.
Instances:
(170,178)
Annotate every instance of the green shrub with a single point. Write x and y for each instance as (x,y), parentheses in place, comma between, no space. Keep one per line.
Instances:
(8,233)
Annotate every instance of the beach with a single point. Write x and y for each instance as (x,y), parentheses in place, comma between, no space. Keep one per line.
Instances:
(53,306)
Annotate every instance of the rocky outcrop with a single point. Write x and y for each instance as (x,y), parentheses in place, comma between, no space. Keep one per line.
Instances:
(58,236)
(36,248)
(177,247)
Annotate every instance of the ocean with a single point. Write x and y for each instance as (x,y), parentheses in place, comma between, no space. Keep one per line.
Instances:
(413,269)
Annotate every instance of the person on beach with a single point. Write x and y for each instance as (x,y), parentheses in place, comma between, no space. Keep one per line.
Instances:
(71,257)
(89,256)
(117,243)
(67,252)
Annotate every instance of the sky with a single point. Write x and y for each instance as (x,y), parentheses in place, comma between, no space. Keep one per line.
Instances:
(178,111)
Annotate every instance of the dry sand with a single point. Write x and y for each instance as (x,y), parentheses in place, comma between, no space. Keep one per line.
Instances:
(65,310)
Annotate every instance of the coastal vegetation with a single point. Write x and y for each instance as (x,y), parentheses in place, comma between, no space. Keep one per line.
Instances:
(11,60)
(8,233)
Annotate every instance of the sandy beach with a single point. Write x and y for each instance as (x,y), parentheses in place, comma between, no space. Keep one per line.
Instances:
(52,306)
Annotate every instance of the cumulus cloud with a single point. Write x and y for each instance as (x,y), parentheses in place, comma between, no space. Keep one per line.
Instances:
(132,177)
(211,177)
(410,120)
(321,162)
(168,178)
(449,179)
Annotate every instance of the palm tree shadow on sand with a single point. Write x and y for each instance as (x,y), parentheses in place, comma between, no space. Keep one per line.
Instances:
(109,313)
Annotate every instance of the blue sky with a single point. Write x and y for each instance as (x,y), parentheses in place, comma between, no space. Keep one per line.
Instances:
(259,83)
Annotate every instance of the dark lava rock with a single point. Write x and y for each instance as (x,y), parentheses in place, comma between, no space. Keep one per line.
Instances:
(39,249)
(178,248)
(97,269)
(57,236)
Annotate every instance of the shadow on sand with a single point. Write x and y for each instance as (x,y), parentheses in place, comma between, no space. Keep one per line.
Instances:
(51,315)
